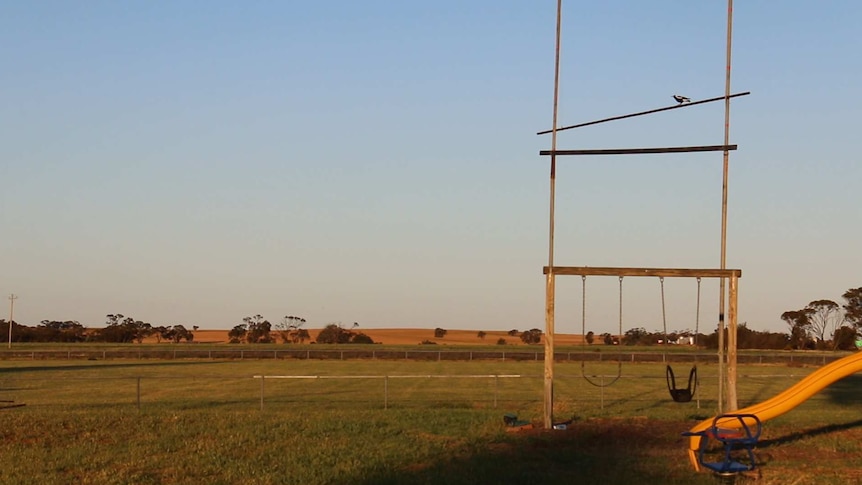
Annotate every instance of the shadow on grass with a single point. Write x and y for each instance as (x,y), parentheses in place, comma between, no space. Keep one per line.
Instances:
(808,433)
(847,391)
(589,452)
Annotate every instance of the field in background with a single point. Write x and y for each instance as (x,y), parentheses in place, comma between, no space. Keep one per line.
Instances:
(412,336)
(200,421)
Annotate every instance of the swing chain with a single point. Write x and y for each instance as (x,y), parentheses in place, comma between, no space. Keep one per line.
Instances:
(584,334)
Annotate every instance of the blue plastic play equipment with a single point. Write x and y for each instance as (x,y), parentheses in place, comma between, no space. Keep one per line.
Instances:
(738,435)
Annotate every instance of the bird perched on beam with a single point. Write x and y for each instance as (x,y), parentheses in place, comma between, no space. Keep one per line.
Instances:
(681,99)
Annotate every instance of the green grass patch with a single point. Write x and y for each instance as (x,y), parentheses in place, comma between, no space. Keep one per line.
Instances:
(200,421)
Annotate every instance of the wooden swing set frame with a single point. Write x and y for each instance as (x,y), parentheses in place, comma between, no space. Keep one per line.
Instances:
(727,346)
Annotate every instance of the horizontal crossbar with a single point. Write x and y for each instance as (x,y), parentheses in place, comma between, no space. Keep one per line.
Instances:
(660,272)
(641,113)
(640,151)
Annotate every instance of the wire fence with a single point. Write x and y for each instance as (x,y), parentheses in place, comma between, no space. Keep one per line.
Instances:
(415,355)
(185,378)
(640,394)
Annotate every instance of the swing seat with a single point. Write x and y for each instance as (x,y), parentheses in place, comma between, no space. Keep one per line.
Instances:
(738,442)
(682,394)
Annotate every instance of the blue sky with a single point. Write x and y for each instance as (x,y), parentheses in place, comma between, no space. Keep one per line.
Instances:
(376,162)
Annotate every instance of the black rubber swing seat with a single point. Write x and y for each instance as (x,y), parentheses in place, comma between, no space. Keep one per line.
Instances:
(682,394)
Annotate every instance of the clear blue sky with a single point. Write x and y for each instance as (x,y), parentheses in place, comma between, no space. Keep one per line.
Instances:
(195,162)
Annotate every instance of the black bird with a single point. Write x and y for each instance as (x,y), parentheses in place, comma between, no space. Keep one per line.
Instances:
(681,99)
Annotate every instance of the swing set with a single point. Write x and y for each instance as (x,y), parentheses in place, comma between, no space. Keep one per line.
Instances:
(728,300)
(678,394)
(727,341)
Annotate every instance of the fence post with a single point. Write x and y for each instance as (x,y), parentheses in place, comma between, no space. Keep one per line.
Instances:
(385,392)
(139,393)
(496,385)
(262,378)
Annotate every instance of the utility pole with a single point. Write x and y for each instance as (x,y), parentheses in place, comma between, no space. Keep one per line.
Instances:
(12,299)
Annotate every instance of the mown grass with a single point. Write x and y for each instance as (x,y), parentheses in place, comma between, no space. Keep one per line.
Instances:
(201,422)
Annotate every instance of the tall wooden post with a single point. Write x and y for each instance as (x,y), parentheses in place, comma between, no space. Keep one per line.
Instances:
(725,166)
(550,280)
(732,404)
(549,354)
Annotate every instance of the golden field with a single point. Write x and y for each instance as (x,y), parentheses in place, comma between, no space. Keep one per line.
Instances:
(409,336)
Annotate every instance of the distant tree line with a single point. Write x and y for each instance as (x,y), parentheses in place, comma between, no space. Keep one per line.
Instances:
(257,330)
(334,333)
(822,325)
(118,329)
(122,329)
(533,336)
(826,325)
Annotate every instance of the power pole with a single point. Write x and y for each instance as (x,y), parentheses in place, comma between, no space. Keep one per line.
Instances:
(12,299)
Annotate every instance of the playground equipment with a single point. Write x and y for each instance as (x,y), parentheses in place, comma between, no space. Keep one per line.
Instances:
(677,394)
(726,349)
(732,275)
(773,407)
(687,393)
(681,394)
(584,335)
(738,435)
(514,424)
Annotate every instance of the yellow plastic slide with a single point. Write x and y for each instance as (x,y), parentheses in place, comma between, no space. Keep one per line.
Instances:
(785,401)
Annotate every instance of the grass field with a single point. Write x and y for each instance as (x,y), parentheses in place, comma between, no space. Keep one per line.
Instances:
(203,421)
